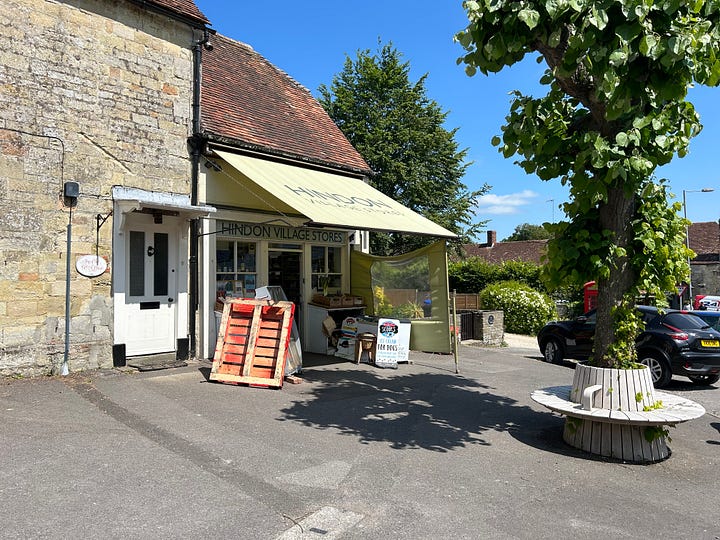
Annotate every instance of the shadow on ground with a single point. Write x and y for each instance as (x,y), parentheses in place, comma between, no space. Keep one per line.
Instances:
(716,425)
(432,411)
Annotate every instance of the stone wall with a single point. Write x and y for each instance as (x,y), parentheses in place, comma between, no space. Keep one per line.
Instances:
(490,327)
(93,92)
(706,278)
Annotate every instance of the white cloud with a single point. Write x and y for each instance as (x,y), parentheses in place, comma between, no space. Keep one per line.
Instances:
(505,204)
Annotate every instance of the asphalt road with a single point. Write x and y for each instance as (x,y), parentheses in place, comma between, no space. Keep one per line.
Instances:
(352,452)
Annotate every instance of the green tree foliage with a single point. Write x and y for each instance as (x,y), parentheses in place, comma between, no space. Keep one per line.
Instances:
(399,131)
(474,274)
(617,73)
(526,231)
(525,310)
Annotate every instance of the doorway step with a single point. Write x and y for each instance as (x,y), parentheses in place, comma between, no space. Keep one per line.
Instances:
(154,362)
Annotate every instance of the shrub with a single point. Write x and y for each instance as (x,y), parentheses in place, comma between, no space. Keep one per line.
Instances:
(474,274)
(525,310)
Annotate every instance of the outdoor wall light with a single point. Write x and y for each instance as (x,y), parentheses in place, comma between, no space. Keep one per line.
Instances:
(71,192)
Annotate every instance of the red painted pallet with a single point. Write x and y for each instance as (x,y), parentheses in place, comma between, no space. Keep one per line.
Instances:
(253,342)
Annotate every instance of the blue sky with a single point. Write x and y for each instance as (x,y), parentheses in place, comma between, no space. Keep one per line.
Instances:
(310,41)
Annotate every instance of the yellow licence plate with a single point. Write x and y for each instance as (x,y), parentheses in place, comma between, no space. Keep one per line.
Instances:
(710,343)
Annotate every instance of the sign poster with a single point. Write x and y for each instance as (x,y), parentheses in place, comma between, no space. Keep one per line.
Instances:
(388,343)
(348,337)
(90,265)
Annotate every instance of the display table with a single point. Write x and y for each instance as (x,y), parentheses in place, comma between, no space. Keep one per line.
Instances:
(315,340)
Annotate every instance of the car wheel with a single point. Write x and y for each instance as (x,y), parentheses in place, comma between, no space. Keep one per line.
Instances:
(552,351)
(659,369)
(704,380)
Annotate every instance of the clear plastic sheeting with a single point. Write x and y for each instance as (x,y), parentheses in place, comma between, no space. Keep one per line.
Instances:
(411,286)
(401,288)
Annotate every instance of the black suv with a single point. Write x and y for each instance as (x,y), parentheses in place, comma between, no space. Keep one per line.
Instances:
(673,342)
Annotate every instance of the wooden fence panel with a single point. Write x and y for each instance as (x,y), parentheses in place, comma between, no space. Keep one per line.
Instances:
(467,301)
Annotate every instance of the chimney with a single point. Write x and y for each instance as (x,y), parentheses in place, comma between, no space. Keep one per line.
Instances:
(491,238)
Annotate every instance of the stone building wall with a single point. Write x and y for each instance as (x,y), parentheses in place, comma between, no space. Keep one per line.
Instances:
(706,278)
(93,92)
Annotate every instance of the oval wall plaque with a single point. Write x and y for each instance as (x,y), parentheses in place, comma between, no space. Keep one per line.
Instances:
(90,265)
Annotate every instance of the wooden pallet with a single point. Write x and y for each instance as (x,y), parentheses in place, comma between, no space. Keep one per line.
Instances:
(253,342)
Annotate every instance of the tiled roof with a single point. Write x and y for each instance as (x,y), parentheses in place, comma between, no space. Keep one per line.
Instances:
(186,8)
(250,103)
(705,241)
(520,250)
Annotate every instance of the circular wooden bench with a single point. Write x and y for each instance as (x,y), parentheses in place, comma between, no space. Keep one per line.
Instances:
(675,409)
(631,422)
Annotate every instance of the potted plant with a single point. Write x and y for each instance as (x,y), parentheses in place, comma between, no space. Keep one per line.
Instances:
(616,109)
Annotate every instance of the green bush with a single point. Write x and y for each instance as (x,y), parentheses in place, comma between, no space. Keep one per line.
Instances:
(525,310)
(474,274)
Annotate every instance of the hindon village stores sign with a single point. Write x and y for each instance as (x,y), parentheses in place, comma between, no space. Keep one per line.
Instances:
(280,232)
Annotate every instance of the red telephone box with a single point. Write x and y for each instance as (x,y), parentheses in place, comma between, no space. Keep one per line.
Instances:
(590,295)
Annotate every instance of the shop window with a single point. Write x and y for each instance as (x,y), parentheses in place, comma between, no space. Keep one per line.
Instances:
(326,264)
(236,272)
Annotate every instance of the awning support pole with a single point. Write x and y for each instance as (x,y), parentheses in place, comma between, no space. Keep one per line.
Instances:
(455,337)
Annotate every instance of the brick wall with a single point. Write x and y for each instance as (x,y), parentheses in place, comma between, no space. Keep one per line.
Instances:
(97,93)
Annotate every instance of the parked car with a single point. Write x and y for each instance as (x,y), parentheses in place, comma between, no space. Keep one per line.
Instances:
(710,317)
(673,342)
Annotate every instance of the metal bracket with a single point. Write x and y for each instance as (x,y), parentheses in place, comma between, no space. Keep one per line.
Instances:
(99,222)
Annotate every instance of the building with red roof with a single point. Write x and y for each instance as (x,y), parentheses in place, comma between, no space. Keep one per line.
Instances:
(150,168)
(495,252)
(704,240)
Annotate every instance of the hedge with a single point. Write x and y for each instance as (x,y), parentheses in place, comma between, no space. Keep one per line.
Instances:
(525,310)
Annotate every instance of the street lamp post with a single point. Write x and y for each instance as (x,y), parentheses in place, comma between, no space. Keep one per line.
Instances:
(553,208)
(687,235)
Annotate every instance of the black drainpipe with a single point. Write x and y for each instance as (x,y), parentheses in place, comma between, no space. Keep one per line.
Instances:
(196,148)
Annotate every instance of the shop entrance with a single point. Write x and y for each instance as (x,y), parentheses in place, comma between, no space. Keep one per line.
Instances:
(285,270)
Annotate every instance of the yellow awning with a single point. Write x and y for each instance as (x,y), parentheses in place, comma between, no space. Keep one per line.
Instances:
(333,200)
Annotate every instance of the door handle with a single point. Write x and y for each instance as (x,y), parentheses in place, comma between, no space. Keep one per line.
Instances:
(150,251)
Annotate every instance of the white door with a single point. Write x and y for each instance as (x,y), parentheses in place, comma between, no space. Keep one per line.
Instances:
(151,285)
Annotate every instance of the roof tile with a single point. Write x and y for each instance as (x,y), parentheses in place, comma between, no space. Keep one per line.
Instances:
(182,7)
(500,252)
(248,100)
(704,239)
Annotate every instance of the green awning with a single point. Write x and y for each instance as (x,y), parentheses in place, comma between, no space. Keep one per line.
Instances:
(333,200)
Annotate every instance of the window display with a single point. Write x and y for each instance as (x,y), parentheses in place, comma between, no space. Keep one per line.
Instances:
(326,270)
(236,269)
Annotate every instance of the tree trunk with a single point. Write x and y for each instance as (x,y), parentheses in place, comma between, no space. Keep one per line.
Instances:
(616,216)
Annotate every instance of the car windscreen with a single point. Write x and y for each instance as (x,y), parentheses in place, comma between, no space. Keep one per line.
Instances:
(712,318)
(684,321)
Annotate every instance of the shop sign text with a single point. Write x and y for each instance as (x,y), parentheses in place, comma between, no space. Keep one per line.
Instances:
(280,232)
(388,343)
(90,265)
